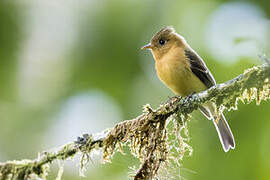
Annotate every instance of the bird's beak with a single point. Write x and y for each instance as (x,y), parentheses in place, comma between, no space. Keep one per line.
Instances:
(147,46)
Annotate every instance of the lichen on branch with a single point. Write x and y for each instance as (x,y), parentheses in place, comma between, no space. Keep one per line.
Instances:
(158,138)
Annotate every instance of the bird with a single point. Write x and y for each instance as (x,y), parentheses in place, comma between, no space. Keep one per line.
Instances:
(184,72)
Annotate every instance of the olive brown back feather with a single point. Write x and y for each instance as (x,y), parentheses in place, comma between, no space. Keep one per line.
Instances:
(198,67)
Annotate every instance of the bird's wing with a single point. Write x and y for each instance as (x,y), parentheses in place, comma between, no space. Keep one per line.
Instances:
(199,68)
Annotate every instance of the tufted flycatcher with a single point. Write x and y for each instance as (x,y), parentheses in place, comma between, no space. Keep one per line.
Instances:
(182,70)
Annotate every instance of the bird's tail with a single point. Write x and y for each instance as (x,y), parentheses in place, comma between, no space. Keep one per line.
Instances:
(224,132)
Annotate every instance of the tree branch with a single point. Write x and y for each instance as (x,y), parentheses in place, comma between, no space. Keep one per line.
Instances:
(147,134)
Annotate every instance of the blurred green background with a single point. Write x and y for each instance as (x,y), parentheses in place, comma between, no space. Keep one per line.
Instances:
(69,67)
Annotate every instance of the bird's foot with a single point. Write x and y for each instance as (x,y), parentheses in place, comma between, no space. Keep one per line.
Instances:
(190,95)
(172,99)
(82,140)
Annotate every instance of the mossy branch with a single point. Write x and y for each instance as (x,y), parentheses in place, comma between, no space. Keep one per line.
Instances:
(147,135)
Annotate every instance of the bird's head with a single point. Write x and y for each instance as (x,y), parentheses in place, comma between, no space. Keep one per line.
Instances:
(163,41)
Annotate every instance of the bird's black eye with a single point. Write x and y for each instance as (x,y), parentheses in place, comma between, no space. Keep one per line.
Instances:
(162,42)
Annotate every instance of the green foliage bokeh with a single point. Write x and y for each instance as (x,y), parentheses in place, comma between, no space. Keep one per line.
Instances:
(105,56)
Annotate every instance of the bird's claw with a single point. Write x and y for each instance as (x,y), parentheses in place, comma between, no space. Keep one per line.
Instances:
(83,139)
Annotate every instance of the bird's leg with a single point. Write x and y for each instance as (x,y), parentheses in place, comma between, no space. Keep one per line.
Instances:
(83,139)
(172,99)
(188,98)
(190,95)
